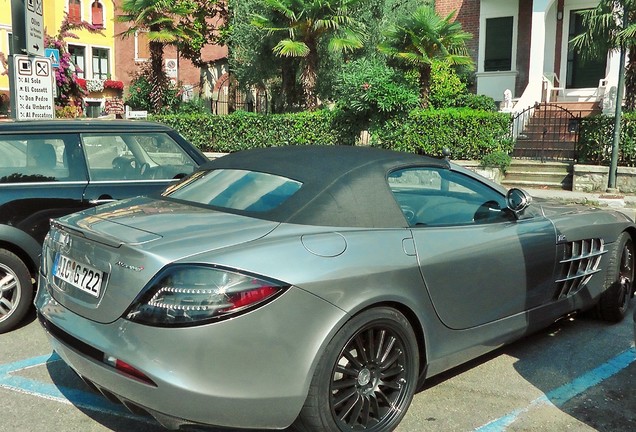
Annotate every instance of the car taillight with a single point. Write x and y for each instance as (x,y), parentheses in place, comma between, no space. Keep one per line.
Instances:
(186,295)
(128,370)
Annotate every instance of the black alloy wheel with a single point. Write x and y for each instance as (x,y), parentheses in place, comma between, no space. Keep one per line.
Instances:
(619,281)
(367,378)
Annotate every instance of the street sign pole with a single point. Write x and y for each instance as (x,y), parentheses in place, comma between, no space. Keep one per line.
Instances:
(18,32)
(30,73)
(34,23)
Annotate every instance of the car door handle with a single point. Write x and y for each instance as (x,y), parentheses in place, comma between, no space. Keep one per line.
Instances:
(101,201)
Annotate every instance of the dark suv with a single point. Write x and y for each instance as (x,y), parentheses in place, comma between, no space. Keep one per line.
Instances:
(52,168)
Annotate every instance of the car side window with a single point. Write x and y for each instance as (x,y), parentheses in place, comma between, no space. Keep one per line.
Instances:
(135,156)
(438,197)
(27,158)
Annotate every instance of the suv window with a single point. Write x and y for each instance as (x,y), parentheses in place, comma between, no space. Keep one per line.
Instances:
(36,158)
(134,156)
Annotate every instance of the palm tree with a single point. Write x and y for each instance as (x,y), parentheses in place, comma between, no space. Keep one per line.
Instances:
(418,39)
(306,24)
(158,19)
(607,31)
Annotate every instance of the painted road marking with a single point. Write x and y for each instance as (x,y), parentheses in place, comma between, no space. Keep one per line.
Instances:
(90,401)
(559,396)
(66,395)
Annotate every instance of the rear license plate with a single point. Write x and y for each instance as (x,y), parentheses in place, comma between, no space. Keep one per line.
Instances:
(80,275)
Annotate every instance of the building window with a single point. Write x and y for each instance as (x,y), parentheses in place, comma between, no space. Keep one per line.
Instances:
(582,72)
(75,11)
(101,63)
(93,109)
(97,14)
(78,57)
(498,53)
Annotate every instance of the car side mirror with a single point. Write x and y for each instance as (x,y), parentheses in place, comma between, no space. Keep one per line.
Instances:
(518,200)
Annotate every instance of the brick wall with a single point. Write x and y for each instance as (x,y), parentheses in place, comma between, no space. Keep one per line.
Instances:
(188,74)
(467,13)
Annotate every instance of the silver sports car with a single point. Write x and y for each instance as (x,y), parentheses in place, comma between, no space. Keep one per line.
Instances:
(315,286)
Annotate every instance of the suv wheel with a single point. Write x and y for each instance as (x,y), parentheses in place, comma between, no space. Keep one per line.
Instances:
(16,290)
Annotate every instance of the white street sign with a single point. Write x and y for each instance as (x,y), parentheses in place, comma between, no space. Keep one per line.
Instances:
(34,27)
(33,79)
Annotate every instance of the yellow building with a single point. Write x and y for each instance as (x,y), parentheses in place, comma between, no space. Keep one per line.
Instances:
(92,52)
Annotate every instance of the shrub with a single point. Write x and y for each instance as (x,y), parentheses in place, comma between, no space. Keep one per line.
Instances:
(477,102)
(497,159)
(138,97)
(69,111)
(242,130)
(596,137)
(368,86)
(469,134)
(446,87)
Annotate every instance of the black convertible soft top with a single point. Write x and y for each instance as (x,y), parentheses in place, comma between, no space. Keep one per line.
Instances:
(342,185)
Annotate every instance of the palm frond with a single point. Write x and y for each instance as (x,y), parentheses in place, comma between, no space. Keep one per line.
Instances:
(291,48)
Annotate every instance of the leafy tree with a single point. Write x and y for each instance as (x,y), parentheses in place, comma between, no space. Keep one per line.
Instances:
(252,62)
(307,23)
(605,32)
(208,22)
(159,19)
(368,87)
(416,40)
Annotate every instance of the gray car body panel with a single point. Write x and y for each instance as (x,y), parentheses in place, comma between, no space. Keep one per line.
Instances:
(334,272)
(269,389)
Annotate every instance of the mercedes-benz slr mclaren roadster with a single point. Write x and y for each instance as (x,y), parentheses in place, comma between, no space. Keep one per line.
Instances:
(315,286)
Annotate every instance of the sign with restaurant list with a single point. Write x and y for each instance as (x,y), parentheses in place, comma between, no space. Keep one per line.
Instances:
(34,88)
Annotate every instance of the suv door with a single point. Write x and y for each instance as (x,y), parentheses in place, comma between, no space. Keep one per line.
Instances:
(126,164)
(42,176)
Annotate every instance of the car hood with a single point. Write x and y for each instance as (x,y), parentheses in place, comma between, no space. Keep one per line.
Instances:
(575,222)
(131,241)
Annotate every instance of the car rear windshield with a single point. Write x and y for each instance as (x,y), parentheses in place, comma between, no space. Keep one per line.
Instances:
(235,189)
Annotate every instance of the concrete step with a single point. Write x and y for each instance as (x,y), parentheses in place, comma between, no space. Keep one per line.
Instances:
(528,184)
(536,174)
(538,166)
(544,176)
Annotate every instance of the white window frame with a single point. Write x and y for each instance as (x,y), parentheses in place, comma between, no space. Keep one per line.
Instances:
(86,70)
(498,9)
(110,60)
(137,58)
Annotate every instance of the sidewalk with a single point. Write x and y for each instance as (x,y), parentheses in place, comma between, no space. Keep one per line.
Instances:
(625,203)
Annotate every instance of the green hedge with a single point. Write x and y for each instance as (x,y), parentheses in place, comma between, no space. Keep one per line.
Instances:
(469,134)
(242,130)
(597,134)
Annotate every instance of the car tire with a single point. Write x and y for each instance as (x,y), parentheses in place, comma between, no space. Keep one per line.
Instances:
(16,290)
(619,289)
(366,378)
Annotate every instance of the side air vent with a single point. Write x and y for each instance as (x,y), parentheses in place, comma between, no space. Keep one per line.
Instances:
(580,261)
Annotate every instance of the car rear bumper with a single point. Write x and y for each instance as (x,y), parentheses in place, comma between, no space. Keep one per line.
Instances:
(252,371)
